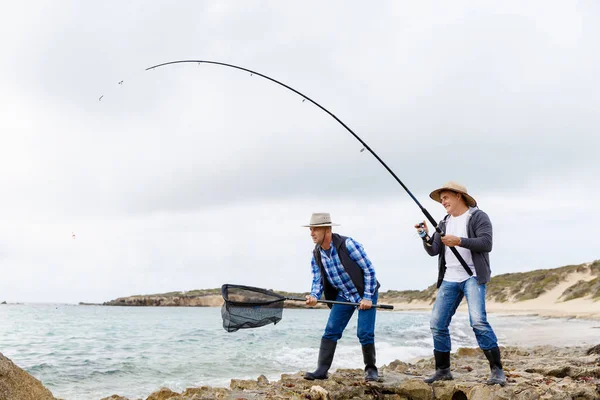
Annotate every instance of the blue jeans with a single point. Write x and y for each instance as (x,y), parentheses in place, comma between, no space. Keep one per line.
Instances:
(340,315)
(448,298)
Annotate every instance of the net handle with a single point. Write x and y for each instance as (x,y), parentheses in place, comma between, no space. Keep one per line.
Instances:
(345,303)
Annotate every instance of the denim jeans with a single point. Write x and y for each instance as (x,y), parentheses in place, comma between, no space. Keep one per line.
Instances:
(340,315)
(448,298)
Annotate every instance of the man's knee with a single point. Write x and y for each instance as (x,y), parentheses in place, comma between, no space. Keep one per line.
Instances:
(437,323)
(333,336)
(478,321)
(333,332)
(365,333)
(366,337)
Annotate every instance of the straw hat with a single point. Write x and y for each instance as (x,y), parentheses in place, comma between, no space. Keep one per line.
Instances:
(320,219)
(454,187)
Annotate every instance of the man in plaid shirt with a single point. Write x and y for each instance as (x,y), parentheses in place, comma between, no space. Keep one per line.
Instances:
(342,271)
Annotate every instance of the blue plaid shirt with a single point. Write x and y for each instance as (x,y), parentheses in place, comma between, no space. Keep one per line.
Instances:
(339,278)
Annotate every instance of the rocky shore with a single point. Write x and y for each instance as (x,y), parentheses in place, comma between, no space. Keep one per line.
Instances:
(544,373)
(184,300)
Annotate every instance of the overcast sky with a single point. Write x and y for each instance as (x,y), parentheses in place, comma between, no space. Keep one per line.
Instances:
(191,176)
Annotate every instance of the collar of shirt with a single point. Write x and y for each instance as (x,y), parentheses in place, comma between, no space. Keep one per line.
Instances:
(331,253)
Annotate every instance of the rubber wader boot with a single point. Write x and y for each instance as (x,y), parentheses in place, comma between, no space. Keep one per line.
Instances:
(442,367)
(497,376)
(369,359)
(326,352)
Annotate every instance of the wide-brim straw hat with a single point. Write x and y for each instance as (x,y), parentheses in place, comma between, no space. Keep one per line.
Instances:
(454,187)
(320,219)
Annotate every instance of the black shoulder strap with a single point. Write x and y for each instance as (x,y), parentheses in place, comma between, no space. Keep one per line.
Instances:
(460,259)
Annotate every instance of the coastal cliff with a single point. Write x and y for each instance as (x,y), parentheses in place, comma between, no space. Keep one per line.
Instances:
(560,290)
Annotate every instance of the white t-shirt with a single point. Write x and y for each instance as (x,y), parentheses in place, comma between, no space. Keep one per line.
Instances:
(455,272)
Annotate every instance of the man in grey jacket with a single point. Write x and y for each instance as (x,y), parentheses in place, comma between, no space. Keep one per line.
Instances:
(469,231)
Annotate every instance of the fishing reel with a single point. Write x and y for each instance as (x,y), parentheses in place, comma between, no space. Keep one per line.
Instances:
(423,234)
(421,230)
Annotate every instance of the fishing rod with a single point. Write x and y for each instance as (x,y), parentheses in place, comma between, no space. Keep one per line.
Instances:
(365,145)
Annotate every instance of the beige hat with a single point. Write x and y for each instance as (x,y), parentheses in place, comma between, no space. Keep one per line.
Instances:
(454,187)
(320,219)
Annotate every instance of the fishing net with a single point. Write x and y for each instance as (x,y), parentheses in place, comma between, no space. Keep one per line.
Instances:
(249,307)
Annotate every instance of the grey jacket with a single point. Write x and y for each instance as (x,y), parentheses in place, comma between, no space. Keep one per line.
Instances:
(479,241)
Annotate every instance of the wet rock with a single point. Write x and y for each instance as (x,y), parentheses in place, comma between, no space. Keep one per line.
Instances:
(114,397)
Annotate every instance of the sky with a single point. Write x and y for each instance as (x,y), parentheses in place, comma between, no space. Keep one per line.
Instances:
(191,176)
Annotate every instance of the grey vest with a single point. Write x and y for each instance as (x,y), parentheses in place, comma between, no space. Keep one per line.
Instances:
(355,272)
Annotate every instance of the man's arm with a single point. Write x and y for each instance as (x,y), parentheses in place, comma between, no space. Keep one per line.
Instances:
(358,255)
(316,289)
(482,242)
(433,246)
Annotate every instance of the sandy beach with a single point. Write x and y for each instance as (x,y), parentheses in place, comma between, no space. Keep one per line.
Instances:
(548,304)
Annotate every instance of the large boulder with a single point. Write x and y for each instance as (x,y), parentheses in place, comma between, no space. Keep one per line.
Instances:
(16,384)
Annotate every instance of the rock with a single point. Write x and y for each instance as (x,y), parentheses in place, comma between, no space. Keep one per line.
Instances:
(528,394)
(540,373)
(4,302)
(205,393)
(243,384)
(591,350)
(468,352)
(16,384)
(164,394)
(318,393)
(415,389)
(114,397)
(486,392)
(262,380)
(398,366)
(445,390)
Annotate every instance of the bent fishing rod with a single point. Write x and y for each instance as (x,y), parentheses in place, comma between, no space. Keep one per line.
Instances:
(365,145)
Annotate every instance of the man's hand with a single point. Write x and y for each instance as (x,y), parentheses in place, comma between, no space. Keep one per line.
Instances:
(311,301)
(451,241)
(422,226)
(365,304)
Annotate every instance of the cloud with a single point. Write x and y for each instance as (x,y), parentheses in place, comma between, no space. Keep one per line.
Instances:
(175,163)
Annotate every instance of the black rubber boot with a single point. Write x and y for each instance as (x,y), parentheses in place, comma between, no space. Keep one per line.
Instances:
(497,376)
(442,367)
(369,359)
(326,352)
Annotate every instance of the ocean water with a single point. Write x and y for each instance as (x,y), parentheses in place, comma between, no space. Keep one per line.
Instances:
(90,352)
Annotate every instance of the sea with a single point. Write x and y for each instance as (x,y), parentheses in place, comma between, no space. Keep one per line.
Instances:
(89,352)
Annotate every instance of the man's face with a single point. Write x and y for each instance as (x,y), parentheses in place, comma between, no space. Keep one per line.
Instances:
(318,234)
(450,200)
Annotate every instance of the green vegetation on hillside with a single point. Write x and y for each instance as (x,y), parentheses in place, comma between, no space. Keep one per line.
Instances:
(583,288)
(190,293)
(502,288)
(530,285)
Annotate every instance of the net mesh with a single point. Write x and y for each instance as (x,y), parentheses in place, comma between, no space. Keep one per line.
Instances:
(248,307)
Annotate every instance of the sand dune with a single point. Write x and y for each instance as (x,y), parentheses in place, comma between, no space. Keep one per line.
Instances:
(548,304)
